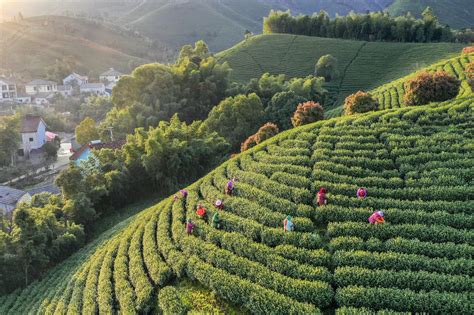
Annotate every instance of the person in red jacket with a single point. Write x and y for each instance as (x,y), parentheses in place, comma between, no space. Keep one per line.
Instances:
(201,211)
(377,217)
(321,197)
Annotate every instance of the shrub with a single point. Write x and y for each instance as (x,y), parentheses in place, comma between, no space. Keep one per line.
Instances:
(359,102)
(429,87)
(265,132)
(468,50)
(327,67)
(170,301)
(306,113)
(281,107)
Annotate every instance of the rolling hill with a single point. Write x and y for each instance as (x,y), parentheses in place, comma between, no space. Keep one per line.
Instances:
(455,13)
(417,166)
(31,45)
(362,65)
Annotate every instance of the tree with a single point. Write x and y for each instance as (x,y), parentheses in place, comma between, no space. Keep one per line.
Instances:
(359,102)
(235,118)
(281,107)
(428,87)
(468,50)
(265,132)
(307,113)
(61,68)
(86,131)
(51,150)
(9,138)
(327,67)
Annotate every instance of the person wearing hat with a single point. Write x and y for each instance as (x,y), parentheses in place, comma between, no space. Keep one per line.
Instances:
(361,193)
(184,193)
(219,205)
(189,227)
(288,224)
(201,211)
(229,187)
(377,217)
(321,197)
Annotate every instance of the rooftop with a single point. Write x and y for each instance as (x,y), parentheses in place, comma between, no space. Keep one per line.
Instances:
(78,76)
(64,88)
(30,123)
(93,86)
(50,188)
(10,196)
(41,82)
(7,80)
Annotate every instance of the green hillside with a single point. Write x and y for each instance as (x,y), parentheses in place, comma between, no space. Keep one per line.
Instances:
(31,45)
(417,164)
(455,13)
(362,65)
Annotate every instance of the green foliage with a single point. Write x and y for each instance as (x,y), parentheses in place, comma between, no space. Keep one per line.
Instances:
(61,69)
(9,138)
(372,26)
(282,106)
(236,118)
(86,131)
(95,107)
(431,87)
(170,301)
(51,149)
(327,67)
(265,132)
(306,113)
(155,92)
(359,102)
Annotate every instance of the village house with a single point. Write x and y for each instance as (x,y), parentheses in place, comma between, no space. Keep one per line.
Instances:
(93,88)
(65,90)
(23,98)
(43,99)
(11,197)
(33,134)
(8,91)
(41,86)
(75,79)
(110,76)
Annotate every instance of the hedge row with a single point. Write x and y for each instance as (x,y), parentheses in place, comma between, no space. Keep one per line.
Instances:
(333,213)
(369,181)
(435,233)
(291,180)
(398,261)
(264,157)
(413,280)
(89,299)
(405,300)
(248,164)
(373,164)
(466,207)
(296,195)
(354,171)
(105,287)
(277,150)
(315,292)
(170,302)
(432,193)
(367,311)
(244,292)
(377,154)
(124,291)
(402,245)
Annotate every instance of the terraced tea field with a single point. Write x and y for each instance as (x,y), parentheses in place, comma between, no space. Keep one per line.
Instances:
(418,167)
(362,65)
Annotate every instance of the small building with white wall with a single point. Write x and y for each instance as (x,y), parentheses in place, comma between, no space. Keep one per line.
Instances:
(41,86)
(8,91)
(33,134)
(110,76)
(93,88)
(10,198)
(75,79)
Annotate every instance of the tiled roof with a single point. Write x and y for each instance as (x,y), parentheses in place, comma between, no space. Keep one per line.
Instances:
(10,196)
(41,82)
(78,76)
(64,88)
(30,123)
(109,145)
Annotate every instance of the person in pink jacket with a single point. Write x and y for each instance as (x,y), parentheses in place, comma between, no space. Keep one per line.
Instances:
(361,193)
(377,217)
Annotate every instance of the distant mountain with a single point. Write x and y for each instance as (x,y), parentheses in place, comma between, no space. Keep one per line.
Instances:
(31,45)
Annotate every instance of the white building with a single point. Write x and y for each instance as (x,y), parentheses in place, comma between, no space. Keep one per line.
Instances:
(43,99)
(23,98)
(8,92)
(41,86)
(11,197)
(33,134)
(75,79)
(111,75)
(93,88)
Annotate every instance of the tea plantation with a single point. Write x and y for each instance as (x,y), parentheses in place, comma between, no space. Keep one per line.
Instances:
(418,167)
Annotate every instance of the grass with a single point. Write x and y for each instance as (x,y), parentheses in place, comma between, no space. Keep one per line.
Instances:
(455,13)
(413,162)
(362,65)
